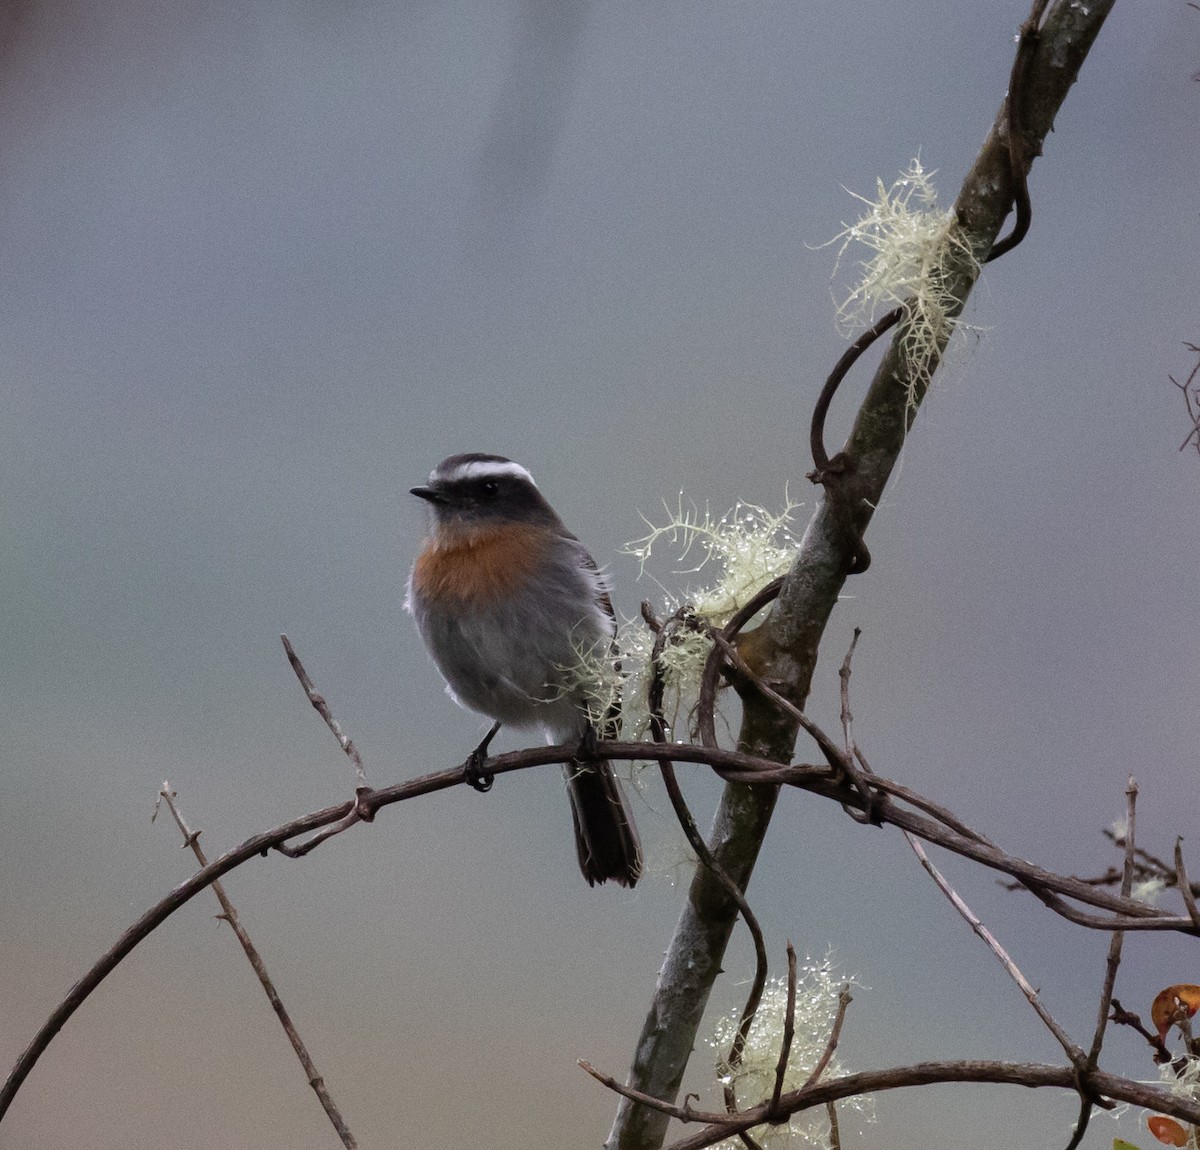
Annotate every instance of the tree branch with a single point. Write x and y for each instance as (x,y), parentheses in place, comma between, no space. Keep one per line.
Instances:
(751,775)
(1033,1075)
(151,920)
(786,654)
(230,915)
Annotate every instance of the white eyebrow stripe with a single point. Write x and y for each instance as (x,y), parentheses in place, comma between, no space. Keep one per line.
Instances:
(484,469)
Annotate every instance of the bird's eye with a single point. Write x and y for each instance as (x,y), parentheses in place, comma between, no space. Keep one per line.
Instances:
(490,488)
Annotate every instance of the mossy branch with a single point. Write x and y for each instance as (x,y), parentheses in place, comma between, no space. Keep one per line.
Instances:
(786,645)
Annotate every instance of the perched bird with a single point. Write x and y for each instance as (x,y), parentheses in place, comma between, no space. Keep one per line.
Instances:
(507,601)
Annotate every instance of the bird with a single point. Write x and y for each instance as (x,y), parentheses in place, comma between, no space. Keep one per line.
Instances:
(506,599)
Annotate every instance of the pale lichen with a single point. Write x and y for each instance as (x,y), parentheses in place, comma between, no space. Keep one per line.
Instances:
(1181,1076)
(818,987)
(596,678)
(1148,890)
(740,552)
(737,554)
(916,253)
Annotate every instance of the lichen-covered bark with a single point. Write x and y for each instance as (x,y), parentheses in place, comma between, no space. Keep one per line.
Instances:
(786,652)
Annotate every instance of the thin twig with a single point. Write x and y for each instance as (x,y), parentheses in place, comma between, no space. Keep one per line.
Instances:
(1185,887)
(1115,944)
(1123,1017)
(1148,865)
(835,1137)
(789,1027)
(322,709)
(230,915)
(707,701)
(848,358)
(684,1113)
(831,1042)
(658,730)
(1191,396)
(311,843)
(1134,915)
(696,839)
(1073,1052)
(853,754)
(844,677)
(1087,1100)
(828,747)
(258,844)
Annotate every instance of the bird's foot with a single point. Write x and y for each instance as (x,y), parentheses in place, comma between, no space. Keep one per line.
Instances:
(475,770)
(475,773)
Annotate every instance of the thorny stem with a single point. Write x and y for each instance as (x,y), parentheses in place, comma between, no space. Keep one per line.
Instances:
(230,915)
(258,844)
(322,709)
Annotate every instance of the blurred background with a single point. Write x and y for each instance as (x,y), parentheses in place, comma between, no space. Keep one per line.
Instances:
(265,263)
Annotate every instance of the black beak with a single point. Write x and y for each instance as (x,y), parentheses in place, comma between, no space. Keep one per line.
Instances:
(429,494)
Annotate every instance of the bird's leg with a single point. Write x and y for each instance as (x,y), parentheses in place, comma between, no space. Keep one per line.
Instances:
(476,776)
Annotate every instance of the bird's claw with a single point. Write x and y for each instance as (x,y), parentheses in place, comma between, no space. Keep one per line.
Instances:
(474,769)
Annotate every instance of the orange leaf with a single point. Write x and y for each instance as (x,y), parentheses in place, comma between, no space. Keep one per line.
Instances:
(1166,1002)
(1167,1130)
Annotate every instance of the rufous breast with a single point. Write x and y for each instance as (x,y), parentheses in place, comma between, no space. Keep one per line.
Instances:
(476,566)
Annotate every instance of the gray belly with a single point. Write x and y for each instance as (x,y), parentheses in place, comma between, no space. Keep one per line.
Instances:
(511,668)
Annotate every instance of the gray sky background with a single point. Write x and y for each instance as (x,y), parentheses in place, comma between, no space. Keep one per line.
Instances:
(264,264)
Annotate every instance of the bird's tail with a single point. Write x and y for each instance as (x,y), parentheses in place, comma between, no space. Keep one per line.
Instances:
(605,835)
